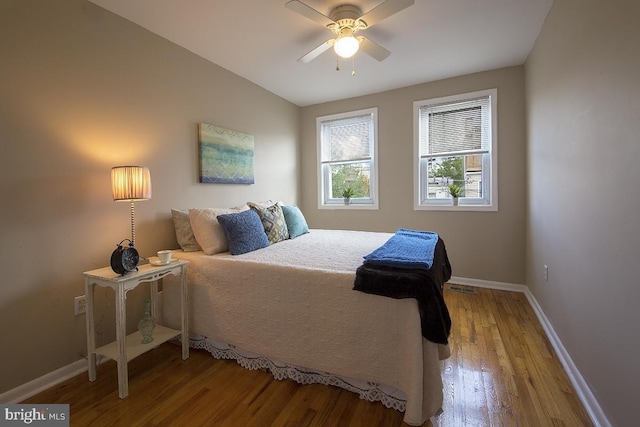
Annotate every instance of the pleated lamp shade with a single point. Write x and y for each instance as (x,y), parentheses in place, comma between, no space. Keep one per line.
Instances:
(130,183)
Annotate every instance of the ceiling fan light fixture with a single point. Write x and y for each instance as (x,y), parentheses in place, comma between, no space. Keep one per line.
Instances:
(344,21)
(346,45)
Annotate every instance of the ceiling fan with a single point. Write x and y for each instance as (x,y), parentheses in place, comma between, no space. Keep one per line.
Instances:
(345,21)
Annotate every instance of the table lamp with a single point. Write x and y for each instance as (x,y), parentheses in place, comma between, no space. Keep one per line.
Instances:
(131,184)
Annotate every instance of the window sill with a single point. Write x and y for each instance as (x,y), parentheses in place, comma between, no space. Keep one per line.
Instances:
(350,206)
(457,208)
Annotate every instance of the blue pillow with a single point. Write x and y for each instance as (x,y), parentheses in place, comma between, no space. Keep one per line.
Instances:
(244,231)
(296,224)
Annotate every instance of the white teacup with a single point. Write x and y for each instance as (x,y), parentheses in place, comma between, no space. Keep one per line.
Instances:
(164,256)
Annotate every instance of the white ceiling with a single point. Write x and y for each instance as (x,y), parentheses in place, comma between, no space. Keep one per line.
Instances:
(261,41)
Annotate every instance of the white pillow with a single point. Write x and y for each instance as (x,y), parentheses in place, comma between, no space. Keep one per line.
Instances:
(184,233)
(207,229)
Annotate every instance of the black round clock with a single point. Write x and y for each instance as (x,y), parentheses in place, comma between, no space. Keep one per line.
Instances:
(125,259)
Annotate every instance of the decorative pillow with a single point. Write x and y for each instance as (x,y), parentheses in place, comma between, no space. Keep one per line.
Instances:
(274,223)
(296,223)
(184,233)
(260,205)
(207,230)
(244,231)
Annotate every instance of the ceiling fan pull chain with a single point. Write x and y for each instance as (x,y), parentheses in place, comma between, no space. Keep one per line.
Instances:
(337,63)
(353,66)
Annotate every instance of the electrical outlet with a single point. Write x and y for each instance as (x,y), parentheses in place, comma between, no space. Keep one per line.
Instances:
(546,273)
(80,305)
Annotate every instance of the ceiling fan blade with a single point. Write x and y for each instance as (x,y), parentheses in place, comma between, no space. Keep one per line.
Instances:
(317,51)
(309,12)
(373,49)
(384,10)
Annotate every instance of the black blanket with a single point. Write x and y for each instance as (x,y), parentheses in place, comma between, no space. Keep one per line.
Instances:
(426,286)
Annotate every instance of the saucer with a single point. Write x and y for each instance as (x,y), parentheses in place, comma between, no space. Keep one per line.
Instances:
(159,263)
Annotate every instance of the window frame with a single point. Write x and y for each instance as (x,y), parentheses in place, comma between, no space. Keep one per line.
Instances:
(323,168)
(490,161)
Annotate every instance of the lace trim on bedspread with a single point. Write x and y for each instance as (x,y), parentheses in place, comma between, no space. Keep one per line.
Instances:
(387,395)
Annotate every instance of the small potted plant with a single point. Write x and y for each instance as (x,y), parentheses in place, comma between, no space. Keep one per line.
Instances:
(347,194)
(456,191)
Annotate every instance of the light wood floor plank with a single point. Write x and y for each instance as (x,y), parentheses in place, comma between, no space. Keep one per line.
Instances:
(502,372)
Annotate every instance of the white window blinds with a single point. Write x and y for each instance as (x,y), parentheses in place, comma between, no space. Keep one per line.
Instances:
(348,139)
(459,128)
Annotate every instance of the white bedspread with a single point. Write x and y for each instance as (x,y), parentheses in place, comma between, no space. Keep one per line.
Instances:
(293,302)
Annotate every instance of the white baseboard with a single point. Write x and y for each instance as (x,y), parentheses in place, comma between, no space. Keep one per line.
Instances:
(46,381)
(487,284)
(585,395)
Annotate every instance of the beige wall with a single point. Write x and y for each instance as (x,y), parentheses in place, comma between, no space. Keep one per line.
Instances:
(481,245)
(583,152)
(82,90)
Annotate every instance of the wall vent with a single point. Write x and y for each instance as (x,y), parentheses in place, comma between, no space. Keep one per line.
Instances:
(463,290)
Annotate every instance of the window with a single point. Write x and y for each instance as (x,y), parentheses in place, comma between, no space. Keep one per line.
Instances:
(455,144)
(347,148)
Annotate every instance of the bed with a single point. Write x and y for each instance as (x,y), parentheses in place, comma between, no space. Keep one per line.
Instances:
(291,308)
(270,293)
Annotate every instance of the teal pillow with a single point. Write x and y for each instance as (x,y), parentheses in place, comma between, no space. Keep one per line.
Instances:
(296,223)
(244,231)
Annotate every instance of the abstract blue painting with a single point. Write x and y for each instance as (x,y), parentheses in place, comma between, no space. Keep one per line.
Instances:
(226,156)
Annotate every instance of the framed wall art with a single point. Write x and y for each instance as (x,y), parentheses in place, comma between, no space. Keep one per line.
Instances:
(226,156)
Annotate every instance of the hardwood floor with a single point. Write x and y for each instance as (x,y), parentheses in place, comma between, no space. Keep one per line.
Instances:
(502,372)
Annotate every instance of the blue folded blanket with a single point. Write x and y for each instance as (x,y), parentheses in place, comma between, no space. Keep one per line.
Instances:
(405,249)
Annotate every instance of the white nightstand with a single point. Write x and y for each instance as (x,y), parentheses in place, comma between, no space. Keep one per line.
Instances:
(125,348)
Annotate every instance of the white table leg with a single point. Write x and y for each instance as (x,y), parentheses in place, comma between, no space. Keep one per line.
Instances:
(153,287)
(121,335)
(91,339)
(185,313)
